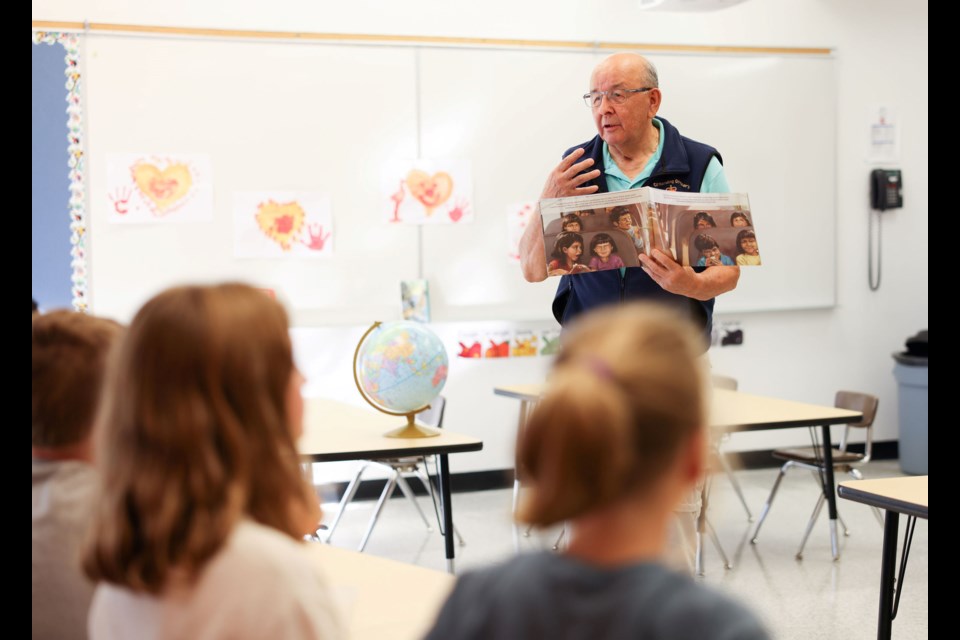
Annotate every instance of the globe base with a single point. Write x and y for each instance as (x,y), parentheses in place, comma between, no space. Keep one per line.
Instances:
(412,430)
(416,431)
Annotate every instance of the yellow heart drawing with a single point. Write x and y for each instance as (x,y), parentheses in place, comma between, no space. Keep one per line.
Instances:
(164,190)
(280,222)
(431,191)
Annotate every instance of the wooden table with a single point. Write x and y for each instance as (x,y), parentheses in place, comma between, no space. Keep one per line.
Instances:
(907,495)
(381,598)
(732,411)
(335,431)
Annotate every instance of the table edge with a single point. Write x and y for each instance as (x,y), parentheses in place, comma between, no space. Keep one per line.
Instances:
(890,504)
(425,450)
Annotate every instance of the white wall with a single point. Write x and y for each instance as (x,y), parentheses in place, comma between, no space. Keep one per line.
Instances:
(881,52)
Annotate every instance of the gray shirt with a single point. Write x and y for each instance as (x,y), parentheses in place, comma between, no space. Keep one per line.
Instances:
(62,504)
(546,595)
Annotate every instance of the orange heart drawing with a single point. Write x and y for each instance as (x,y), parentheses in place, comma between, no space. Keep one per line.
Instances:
(280,222)
(164,190)
(431,191)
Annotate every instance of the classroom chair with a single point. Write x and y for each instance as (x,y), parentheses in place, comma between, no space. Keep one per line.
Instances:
(726,382)
(812,458)
(401,469)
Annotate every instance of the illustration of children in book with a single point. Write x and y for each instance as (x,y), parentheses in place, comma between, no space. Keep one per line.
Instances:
(565,257)
(747,245)
(572,223)
(603,252)
(621,219)
(703,220)
(739,219)
(710,255)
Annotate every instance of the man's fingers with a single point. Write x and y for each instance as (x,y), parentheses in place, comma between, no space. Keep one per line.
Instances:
(585,190)
(578,168)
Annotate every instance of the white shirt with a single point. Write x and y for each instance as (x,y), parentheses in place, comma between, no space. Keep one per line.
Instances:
(262,584)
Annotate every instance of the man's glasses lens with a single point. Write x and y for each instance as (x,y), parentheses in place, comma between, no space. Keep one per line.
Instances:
(616,96)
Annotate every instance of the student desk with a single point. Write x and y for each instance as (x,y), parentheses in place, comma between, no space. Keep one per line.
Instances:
(335,431)
(906,495)
(381,598)
(732,411)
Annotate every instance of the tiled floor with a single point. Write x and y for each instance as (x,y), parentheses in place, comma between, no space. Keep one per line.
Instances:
(810,598)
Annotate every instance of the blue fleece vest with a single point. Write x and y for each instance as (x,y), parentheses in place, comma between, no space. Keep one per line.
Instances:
(682,166)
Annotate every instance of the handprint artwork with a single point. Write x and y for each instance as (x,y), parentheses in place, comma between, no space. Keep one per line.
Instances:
(153,189)
(282,224)
(429,192)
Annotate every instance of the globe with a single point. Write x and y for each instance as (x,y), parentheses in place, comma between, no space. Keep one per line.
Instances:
(400,368)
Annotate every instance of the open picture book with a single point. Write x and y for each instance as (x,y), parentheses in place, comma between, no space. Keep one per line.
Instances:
(605,231)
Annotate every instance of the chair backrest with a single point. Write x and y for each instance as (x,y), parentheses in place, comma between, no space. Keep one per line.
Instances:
(865,404)
(433,417)
(724,382)
(856,401)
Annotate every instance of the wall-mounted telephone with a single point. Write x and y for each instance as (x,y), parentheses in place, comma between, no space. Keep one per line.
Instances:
(886,189)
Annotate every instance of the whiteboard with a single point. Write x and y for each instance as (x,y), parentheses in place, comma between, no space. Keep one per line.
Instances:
(327,117)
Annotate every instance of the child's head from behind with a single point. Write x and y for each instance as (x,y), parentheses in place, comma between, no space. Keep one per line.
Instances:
(624,400)
(568,246)
(602,245)
(747,242)
(197,430)
(69,359)
(739,219)
(703,220)
(572,223)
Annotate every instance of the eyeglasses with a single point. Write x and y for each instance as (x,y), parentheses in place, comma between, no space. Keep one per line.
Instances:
(616,96)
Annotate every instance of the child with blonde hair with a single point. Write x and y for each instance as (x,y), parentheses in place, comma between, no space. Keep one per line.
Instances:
(616,443)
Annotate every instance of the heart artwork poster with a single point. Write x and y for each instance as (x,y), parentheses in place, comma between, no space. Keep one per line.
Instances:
(428,191)
(152,189)
(282,224)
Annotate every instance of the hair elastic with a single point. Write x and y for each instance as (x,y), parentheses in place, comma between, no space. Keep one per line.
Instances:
(601,368)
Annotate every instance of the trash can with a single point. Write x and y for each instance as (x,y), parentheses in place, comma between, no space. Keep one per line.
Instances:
(910,370)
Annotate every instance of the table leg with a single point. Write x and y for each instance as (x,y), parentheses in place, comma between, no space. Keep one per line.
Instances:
(830,490)
(524,411)
(446,503)
(890,528)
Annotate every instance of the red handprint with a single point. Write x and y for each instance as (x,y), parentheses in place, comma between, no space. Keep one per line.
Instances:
(397,199)
(120,199)
(316,237)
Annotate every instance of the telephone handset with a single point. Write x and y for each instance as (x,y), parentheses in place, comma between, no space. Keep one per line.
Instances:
(886,189)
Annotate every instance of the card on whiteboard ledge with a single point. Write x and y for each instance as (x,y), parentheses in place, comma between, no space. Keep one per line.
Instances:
(606,231)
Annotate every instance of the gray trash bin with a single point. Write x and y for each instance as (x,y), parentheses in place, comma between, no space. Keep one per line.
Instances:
(911,372)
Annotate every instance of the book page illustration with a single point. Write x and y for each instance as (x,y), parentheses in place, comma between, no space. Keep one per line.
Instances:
(608,231)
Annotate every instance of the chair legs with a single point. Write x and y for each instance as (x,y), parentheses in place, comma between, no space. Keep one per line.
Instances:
(811,522)
(387,491)
(407,491)
(733,481)
(345,500)
(396,479)
(766,505)
(716,543)
(428,485)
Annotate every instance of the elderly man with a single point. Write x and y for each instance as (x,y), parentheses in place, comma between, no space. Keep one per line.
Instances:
(633,149)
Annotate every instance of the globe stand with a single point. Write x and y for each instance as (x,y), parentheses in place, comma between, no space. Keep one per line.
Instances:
(412,429)
(409,430)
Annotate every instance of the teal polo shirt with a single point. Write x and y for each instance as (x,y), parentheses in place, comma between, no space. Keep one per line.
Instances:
(714,179)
